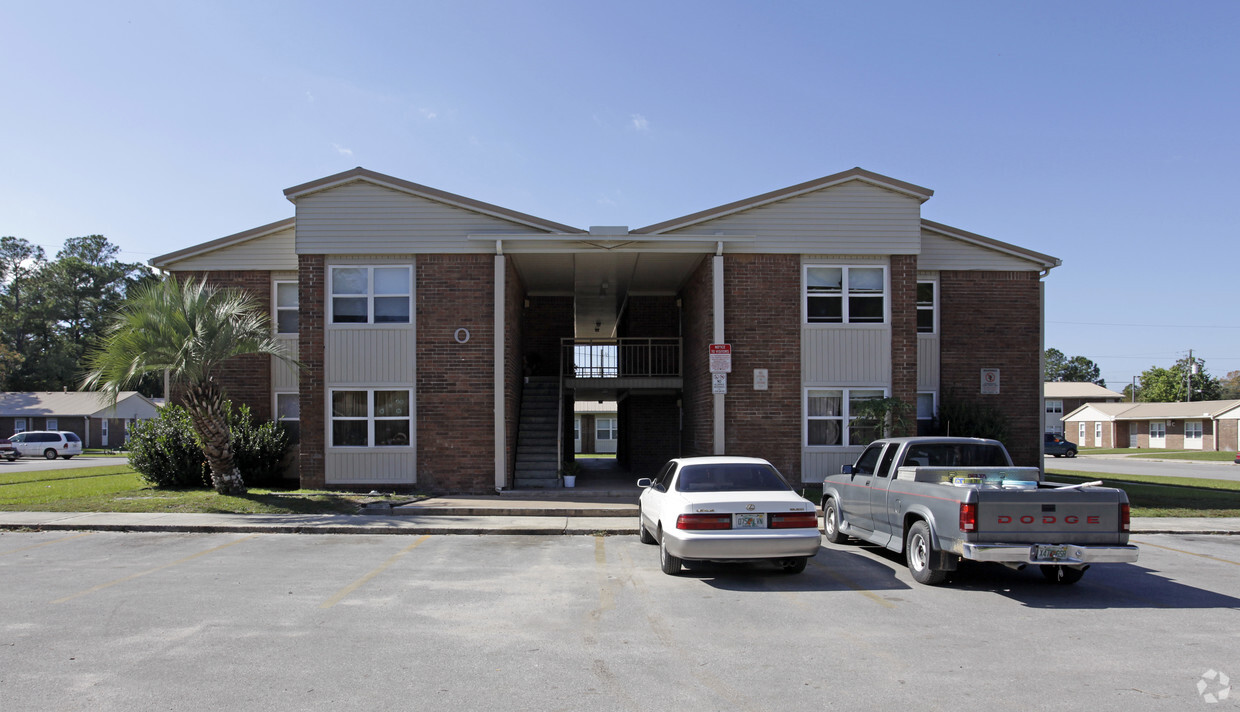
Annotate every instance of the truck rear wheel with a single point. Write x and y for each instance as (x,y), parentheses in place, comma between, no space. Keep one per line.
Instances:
(831,522)
(920,554)
(1065,575)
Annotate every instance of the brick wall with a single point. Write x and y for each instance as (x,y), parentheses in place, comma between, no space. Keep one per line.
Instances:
(455,382)
(648,433)
(991,320)
(904,336)
(1227,434)
(763,325)
(245,379)
(697,304)
(544,323)
(311,319)
(650,316)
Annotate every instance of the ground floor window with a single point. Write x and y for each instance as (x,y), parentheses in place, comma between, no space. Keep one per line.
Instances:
(1098,434)
(926,411)
(830,416)
(605,429)
(288,414)
(1193,434)
(1158,433)
(371,417)
(19,425)
(103,432)
(1080,435)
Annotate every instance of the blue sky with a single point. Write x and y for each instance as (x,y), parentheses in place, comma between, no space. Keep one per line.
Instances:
(1103,133)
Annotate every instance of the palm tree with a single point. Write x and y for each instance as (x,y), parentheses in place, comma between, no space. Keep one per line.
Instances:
(188,329)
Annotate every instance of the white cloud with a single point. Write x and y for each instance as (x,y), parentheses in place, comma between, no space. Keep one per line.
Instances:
(428,113)
(309,96)
(640,123)
(342,150)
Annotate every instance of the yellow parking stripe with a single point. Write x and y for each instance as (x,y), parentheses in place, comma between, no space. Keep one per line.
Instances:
(358,583)
(855,586)
(53,541)
(1181,551)
(131,577)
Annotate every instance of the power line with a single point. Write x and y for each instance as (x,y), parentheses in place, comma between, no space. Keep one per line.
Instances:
(1157,326)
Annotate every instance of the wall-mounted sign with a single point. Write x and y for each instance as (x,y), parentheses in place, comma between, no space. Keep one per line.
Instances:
(721,358)
(759,379)
(990,381)
(719,383)
(461,336)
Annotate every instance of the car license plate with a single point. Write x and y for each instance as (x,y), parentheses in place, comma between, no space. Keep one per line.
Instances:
(1042,552)
(750,521)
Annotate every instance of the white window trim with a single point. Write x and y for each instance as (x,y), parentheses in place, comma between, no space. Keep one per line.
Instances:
(370,297)
(845,417)
(1098,433)
(611,430)
(1197,428)
(275,405)
(52,424)
(276,308)
(19,425)
(934,306)
(370,419)
(805,295)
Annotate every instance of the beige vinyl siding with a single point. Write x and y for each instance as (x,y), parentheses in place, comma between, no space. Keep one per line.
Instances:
(939,252)
(816,465)
(374,356)
(284,375)
(370,467)
(269,252)
(846,356)
(928,362)
(366,218)
(854,218)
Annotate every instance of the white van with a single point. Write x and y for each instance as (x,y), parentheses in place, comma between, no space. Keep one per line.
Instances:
(49,444)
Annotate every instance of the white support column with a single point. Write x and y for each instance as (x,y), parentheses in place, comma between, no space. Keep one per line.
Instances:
(718,338)
(501,435)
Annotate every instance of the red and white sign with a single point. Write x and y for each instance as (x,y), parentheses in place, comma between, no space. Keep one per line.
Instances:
(990,381)
(721,358)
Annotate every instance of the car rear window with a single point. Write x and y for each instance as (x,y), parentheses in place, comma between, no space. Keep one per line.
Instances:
(72,437)
(955,455)
(730,478)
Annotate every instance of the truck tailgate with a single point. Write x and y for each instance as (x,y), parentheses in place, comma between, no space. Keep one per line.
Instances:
(1050,516)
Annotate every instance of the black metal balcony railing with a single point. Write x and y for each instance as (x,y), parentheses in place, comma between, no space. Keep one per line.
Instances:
(620,358)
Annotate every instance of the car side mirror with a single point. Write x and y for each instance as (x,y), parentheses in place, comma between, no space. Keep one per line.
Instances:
(644,482)
(846,469)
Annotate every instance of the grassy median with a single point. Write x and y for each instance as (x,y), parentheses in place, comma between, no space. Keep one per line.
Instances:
(117,488)
(1152,496)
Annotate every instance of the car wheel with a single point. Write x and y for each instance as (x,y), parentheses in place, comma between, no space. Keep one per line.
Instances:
(1065,575)
(1056,454)
(49,454)
(68,457)
(1071,453)
(670,564)
(11,458)
(794,566)
(831,523)
(642,532)
(919,553)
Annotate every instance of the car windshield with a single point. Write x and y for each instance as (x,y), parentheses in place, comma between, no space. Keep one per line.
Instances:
(955,455)
(730,477)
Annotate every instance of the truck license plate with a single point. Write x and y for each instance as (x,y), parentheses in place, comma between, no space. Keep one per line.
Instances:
(750,521)
(1042,552)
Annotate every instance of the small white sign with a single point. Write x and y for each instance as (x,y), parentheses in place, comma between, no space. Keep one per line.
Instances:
(719,383)
(721,358)
(990,381)
(759,379)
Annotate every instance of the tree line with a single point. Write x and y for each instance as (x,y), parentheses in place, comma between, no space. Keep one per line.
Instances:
(54,311)
(1187,379)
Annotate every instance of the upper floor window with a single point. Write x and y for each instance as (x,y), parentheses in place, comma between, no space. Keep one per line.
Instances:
(926,303)
(286,307)
(845,295)
(371,295)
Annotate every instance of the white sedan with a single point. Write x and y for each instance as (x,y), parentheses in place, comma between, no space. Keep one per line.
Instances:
(726,509)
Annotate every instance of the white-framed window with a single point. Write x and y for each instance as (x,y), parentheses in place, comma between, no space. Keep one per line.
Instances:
(604,428)
(53,424)
(19,425)
(926,410)
(371,295)
(285,295)
(1054,411)
(1193,435)
(371,417)
(1158,433)
(103,432)
(288,413)
(1098,434)
(830,416)
(1080,434)
(927,306)
(843,294)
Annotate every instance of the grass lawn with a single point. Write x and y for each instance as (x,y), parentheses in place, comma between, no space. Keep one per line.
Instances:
(1153,496)
(1205,455)
(117,488)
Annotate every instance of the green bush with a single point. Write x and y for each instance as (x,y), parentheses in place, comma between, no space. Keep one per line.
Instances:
(165,449)
(969,419)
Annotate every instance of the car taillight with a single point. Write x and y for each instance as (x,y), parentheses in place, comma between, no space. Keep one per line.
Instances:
(968,516)
(704,521)
(1125,517)
(794,520)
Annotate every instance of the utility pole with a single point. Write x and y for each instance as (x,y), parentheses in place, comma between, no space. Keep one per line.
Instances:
(1188,375)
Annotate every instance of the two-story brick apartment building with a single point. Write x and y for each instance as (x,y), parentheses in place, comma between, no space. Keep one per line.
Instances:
(445,340)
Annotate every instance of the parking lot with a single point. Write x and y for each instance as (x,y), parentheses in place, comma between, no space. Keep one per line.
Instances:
(133,621)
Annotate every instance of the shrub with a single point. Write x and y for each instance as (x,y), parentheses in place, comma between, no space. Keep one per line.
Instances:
(165,449)
(968,419)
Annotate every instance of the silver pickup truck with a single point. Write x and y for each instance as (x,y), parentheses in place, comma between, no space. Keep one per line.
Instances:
(940,500)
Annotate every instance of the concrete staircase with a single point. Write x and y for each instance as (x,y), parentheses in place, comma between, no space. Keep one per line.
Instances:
(537,434)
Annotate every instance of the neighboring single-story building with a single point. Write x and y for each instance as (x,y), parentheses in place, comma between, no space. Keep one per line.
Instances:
(1066,396)
(1195,425)
(430,325)
(90,415)
(595,427)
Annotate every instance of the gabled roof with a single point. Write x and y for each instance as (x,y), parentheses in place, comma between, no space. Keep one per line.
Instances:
(361,174)
(1046,261)
(899,186)
(63,404)
(220,243)
(1077,389)
(1159,411)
